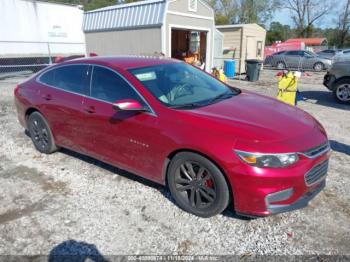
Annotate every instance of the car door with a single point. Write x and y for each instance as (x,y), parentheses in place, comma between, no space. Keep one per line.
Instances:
(293,59)
(62,91)
(119,137)
(309,59)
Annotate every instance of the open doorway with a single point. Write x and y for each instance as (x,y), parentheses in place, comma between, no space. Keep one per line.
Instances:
(189,46)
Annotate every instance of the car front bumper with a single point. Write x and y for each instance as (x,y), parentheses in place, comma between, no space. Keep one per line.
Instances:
(262,192)
(302,202)
(328,81)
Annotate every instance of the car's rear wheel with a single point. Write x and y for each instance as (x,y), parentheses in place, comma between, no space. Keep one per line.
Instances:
(342,91)
(281,65)
(40,133)
(197,185)
(318,67)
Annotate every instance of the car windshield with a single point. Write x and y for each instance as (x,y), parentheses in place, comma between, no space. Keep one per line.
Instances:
(181,85)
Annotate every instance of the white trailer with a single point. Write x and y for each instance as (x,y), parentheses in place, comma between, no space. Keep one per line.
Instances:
(31,28)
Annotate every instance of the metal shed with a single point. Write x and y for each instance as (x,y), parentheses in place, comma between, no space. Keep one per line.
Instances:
(176,28)
(243,41)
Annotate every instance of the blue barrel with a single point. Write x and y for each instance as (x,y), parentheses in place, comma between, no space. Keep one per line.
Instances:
(230,68)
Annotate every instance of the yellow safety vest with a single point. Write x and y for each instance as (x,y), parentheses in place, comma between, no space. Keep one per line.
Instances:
(287,88)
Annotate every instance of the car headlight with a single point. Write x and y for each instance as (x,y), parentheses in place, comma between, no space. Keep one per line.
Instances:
(268,160)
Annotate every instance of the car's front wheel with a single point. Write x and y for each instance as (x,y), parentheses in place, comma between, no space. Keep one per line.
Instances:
(40,133)
(318,67)
(342,91)
(197,185)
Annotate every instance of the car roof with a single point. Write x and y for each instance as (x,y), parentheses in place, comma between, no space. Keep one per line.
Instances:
(294,50)
(124,62)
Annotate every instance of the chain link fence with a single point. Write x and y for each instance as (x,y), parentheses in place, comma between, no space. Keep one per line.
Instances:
(230,54)
(24,58)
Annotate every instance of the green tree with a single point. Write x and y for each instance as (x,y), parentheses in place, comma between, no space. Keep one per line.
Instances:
(94,4)
(343,25)
(221,19)
(305,13)
(278,32)
(243,11)
(225,11)
(257,11)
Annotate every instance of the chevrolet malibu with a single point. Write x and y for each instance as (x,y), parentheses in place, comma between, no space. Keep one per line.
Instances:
(211,144)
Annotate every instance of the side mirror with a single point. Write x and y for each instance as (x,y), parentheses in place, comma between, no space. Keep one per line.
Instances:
(128,105)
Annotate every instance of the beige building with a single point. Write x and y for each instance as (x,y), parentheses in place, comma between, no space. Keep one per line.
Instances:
(243,41)
(182,29)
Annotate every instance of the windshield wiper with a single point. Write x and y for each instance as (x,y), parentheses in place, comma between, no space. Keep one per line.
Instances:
(190,105)
(222,96)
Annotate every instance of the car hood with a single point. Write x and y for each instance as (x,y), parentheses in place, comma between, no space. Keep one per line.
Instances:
(254,119)
(323,58)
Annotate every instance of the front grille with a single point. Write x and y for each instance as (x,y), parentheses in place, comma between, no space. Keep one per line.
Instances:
(317,151)
(317,173)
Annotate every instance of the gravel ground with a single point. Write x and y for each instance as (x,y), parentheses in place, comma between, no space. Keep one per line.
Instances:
(55,201)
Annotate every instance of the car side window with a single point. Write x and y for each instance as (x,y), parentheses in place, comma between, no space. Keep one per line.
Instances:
(293,53)
(307,54)
(73,78)
(108,86)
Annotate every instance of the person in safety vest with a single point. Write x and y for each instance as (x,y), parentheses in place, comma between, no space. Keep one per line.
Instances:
(288,87)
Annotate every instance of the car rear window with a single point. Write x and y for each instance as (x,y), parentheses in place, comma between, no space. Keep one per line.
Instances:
(73,78)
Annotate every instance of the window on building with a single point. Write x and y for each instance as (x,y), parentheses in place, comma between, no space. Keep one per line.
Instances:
(195,41)
(259,48)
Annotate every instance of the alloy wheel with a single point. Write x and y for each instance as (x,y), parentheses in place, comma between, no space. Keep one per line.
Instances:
(343,92)
(318,67)
(40,133)
(195,185)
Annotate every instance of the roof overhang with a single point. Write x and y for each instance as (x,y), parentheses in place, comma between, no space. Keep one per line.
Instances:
(144,14)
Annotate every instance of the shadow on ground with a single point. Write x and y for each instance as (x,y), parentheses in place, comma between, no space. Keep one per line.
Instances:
(324,98)
(117,171)
(229,212)
(340,147)
(72,250)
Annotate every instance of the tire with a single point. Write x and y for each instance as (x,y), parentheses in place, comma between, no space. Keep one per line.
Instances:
(203,192)
(342,91)
(40,133)
(280,65)
(318,67)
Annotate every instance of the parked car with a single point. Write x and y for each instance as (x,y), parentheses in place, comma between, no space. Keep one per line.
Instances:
(337,80)
(343,55)
(269,59)
(300,59)
(170,122)
(328,53)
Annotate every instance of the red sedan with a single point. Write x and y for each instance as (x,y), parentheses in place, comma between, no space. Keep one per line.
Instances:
(167,121)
